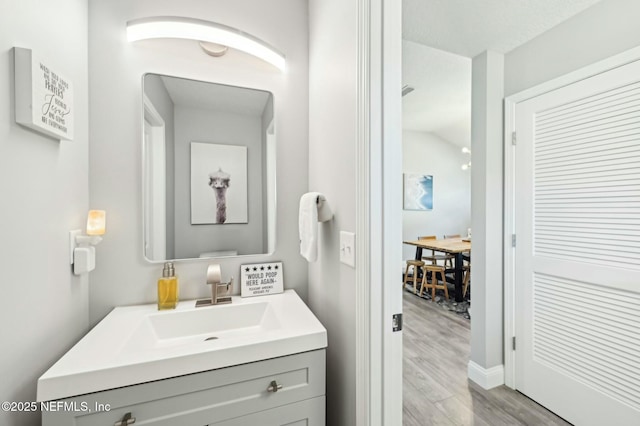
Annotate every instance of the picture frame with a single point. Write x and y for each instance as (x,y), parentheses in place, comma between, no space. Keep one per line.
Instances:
(418,191)
(219,184)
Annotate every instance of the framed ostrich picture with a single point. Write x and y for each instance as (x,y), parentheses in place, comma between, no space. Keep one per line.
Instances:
(218,184)
(418,191)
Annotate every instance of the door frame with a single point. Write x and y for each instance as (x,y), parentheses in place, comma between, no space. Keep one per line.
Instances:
(510,104)
(378,212)
(155,143)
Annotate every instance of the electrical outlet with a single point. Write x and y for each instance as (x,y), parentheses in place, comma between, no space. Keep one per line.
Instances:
(348,248)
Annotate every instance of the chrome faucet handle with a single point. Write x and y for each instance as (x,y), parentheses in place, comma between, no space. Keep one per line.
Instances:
(223,292)
(229,285)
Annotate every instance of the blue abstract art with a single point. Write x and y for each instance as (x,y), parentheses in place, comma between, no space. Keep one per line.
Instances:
(418,192)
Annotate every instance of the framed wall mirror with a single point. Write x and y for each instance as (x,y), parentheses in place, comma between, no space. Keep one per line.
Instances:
(209,170)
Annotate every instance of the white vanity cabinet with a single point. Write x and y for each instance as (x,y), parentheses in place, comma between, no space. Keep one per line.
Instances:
(241,395)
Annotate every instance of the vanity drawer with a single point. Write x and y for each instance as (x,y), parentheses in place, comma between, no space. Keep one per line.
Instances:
(310,412)
(203,398)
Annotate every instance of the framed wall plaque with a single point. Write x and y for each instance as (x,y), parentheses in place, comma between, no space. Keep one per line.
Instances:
(44,97)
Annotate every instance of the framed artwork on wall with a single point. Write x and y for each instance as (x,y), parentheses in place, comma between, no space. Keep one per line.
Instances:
(43,97)
(219,192)
(418,191)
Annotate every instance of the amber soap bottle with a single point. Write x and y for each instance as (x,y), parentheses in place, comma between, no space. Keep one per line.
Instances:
(168,288)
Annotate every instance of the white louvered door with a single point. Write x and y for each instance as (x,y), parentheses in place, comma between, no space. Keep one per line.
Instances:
(577,221)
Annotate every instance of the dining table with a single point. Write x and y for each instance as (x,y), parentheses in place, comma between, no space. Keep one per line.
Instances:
(454,246)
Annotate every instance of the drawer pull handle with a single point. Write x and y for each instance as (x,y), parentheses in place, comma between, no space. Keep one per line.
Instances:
(126,420)
(274,386)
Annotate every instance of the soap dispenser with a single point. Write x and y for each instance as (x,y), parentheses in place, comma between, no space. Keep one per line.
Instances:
(168,288)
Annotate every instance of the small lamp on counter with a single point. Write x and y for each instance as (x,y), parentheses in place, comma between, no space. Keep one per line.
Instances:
(82,247)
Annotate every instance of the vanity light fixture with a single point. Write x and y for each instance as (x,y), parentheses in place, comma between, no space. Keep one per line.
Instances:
(213,49)
(203,31)
(82,251)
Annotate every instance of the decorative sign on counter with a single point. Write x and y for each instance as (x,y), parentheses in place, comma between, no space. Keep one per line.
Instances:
(259,279)
(44,98)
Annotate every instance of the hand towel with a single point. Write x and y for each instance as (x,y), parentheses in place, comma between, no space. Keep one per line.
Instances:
(313,208)
(324,211)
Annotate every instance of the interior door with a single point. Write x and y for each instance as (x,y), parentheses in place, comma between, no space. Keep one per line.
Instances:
(577,221)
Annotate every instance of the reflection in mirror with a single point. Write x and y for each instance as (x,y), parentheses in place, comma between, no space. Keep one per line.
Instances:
(208,171)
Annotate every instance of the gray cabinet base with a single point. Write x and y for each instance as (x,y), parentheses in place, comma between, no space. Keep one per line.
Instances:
(226,397)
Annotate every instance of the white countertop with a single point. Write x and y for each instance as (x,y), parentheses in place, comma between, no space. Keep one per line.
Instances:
(137,344)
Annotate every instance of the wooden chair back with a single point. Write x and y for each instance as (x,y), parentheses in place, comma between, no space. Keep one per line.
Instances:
(429,237)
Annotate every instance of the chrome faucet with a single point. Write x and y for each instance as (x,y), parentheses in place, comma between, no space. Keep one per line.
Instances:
(220,292)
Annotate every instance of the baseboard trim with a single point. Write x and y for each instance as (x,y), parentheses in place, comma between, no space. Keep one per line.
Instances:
(486,378)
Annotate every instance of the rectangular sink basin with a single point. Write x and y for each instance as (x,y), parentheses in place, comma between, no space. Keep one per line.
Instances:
(192,326)
(137,344)
(218,320)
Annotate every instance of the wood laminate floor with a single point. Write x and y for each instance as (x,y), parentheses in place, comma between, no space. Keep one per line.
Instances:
(436,389)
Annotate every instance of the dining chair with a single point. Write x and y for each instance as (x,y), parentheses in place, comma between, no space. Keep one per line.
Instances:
(467,278)
(449,261)
(433,258)
(434,271)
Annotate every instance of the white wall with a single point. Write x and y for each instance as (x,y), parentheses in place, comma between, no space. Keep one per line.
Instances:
(605,29)
(486,205)
(209,126)
(45,193)
(116,67)
(332,159)
(426,153)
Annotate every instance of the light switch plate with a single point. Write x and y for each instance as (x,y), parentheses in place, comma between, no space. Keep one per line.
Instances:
(348,248)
